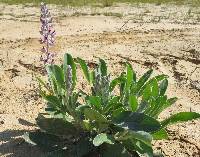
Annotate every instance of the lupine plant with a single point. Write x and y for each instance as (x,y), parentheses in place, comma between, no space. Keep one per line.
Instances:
(102,123)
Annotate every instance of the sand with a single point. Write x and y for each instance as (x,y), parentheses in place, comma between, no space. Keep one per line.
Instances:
(163,37)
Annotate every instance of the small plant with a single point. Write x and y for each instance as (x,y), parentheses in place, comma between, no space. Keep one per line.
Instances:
(104,123)
(101,123)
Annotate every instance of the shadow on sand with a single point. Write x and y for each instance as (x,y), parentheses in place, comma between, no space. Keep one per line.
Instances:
(13,145)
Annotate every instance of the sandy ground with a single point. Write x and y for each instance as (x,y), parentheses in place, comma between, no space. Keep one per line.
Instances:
(165,38)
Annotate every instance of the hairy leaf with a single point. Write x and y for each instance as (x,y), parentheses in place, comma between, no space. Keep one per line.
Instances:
(136,121)
(56,126)
(92,114)
(103,138)
(137,146)
(52,79)
(139,141)
(43,140)
(58,73)
(139,135)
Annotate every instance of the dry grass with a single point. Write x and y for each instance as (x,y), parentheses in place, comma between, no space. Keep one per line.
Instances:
(103,3)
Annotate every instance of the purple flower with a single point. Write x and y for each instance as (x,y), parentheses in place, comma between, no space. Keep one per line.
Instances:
(48,35)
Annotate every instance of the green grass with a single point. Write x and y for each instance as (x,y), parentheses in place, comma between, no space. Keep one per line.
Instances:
(103,3)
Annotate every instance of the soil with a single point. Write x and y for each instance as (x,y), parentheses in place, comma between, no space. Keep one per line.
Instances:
(163,37)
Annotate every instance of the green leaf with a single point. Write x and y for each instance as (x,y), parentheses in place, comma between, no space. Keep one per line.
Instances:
(142,80)
(160,135)
(82,147)
(58,73)
(139,141)
(81,108)
(52,79)
(117,111)
(171,101)
(133,103)
(158,106)
(65,66)
(180,117)
(112,107)
(53,101)
(146,93)
(136,121)
(142,107)
(145,77)
(103,138)
(158,78)
(130,76)
(155,88)
(84,68)
(139,135)
(163,87)
(95,101)
(92,76)
(43,140)
(139,147)
(122,83)
(161,77)
(92,114)
(143,148)
(43,84)
(87,125)
(56,126)
(103,67)
(114,83)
